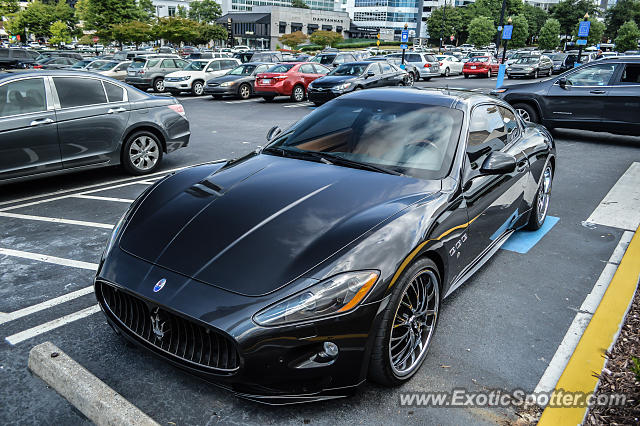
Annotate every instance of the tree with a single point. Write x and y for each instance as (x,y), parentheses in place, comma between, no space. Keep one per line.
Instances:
(208,32)
(59,33)
(452,23)
(520,31)
(204,11)
(549,35)
(325,38)
(7,7)
(618,14)
(182,11)
(293,40)
(596,31)
(568,12)
(536,17)
(481,31)
(628,36)
(135,32)
(492,9)
(299,4)
(100,15)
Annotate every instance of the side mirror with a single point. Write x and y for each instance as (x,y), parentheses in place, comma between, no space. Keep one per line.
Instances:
(273,132)
(562,82)
(498,163)
(370,74)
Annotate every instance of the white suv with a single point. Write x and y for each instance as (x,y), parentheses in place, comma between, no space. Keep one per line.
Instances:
(193,77)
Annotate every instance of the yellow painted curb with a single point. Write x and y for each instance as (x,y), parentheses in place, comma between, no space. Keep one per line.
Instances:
(588,358)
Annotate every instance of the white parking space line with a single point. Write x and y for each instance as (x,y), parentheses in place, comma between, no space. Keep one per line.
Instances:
(568,345)
(14,339)
(11,316)
(620,208)
(56,220)
(49,259)
(304,104)
(99,198)
(241,101)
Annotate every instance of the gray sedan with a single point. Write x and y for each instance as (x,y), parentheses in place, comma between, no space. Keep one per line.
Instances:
(58,121)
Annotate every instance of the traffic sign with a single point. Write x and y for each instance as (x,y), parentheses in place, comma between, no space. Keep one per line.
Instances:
(95,39)
(506,33)
(403,46)
(583,29)
(404,37)
(452,37)
(581,42)
(378,42)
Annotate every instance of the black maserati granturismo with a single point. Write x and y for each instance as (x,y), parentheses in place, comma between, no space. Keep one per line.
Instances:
(299,271)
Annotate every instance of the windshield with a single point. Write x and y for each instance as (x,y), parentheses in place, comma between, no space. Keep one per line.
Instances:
(479,59)
(44,61)
(80,64)
(324,59)
(96,64)
(242,70)
(441,57)
(559,56)
(195,66)
(281,68)
(349,69)
(528,60)
(402,137)
(108,66)
(519,55)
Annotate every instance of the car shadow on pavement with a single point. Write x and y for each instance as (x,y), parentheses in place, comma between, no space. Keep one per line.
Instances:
(596,137)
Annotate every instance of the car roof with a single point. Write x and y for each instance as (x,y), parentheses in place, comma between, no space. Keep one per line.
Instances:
(11,75)
(449,98)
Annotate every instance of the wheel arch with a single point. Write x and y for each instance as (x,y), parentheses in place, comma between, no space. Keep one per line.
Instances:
(144,127)
(528,101)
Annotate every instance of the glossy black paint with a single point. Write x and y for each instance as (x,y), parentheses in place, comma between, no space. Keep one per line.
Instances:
(233,238)
(77,138)
(612,107)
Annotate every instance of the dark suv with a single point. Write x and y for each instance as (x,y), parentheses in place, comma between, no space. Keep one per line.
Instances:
(333,58)
(17,58)
(57,121)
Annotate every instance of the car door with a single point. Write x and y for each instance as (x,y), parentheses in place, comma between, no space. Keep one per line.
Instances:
(373,80)
(320,70)
(493,201)
(386,76)
(214,70)
(90,125)
(580,103)
(120,72)
(307,73)
(622,105)
(28,134)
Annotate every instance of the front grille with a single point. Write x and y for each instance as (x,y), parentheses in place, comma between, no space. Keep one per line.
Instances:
(174,335)
(213,84)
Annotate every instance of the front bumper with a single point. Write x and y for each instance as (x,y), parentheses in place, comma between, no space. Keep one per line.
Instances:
(520,73)
(324,95)
(276,365)
(177,86)
(220,90)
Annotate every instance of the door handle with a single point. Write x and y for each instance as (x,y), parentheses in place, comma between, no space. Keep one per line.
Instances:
(598,92)
(521,165)
(115,110)
(41,121)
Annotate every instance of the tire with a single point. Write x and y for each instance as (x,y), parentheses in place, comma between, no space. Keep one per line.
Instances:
(158,85)
(244,91)
(550,73)
(489,73)
(447,72)
(387,366)
(541,201)
(535,74)
(197,88)
(297,94)
(426,78)
(132,160)
(466,76)
(527,112)
(268,98)
(410,79)
(217,97)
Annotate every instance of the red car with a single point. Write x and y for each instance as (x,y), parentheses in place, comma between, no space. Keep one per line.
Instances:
(288,79)
(481,65)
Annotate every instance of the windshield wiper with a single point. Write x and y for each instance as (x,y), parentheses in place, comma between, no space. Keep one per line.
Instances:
(355,164)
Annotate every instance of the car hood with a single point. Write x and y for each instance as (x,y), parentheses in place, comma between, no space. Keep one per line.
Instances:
(225,78)
(255,225)
(333,80)
(191,74)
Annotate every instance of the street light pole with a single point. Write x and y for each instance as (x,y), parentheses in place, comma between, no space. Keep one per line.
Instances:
(579,61)
(500,26)
(444,10)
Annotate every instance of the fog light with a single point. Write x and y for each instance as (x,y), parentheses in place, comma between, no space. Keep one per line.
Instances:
(330,351)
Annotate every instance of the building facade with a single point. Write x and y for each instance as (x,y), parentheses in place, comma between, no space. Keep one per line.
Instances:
(229,6)
(166,8)
(262,27)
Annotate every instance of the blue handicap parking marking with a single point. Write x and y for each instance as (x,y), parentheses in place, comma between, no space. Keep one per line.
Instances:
(523,241)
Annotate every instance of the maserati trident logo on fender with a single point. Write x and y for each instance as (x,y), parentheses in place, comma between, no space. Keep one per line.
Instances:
(158,324)
(159,285)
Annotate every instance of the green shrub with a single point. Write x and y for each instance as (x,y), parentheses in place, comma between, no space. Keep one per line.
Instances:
(635,367)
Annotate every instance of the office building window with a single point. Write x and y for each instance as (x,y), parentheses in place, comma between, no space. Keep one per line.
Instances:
(171,10)
(282,27)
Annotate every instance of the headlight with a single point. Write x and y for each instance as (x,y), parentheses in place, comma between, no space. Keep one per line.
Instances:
(338,294)
(342,86)
(183,78)
(227,83)
(529,69)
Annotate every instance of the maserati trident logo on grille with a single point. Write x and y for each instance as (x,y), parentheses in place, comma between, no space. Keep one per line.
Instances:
(159,285)
(158,324)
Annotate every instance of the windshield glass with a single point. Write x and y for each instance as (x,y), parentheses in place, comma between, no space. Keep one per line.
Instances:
(528,60)
(324,59)
(108,66)
(479,59)
(406,138)
(519,55)
(96,64)
(441,57)
(195,66)
(349,69)
(242,70)
(80,64)
(559,56)
(281,68)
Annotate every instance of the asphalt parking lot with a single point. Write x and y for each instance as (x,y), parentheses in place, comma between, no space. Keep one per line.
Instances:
(500,330)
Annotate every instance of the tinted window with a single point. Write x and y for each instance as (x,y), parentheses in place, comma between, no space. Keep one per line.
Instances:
(21,97)
(386,68)
(19,54)
(413,57)
(487,132)
(4,53)
(430,58)
(74,92)
(631,74)
(281,68)
(306,69)
(114,92)
(597,75)
(509,119)
(227,65)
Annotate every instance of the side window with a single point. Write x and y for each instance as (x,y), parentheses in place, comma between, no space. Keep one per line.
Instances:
(261,68)
(214,66)
(487,133)
(596,75)
(509,119)
(73,91)
(386,68)
(115,93)
(122,67)
(307,69)
(180,63)
(227,64)
(412,57)
(168,63)
(19,54)
(631,74)
(376,69)
(22,97)
(152,63)
(320,69)
(340,59)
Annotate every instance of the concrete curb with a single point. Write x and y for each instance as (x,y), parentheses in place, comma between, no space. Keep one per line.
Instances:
(83,390)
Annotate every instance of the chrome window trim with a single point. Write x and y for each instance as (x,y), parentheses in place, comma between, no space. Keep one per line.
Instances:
(47,94)
(125,95)
(57,99)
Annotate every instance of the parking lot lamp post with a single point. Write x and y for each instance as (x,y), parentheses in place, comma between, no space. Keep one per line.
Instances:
(500,26)
(444,10)
(579,61)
